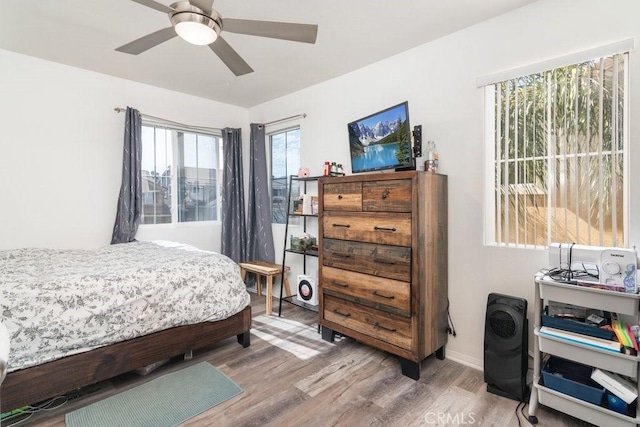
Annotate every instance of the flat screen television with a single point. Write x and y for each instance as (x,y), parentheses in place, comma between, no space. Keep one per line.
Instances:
(381,140)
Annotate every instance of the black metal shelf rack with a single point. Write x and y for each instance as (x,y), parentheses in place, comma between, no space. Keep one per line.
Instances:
(287,250)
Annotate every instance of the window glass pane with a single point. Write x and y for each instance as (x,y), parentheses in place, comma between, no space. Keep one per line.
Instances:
(293,152)
(559,157)
(187,168)
(197,181)
(206,198)
(285,161)
(197,169)
(156,176)
(279,155)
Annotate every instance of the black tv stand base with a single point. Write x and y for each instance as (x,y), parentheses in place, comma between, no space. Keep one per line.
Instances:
(405,168)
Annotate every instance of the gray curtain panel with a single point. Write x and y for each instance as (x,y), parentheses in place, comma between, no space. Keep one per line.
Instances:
(234,230)
(260,235)
(130,199)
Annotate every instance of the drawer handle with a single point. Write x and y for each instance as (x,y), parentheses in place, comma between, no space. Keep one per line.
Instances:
(384,261)
(376,228)
(385,194)
(383,296)
(339,284)
(379,326)
(341,225)
(339,255)
(339,196)
(338,312)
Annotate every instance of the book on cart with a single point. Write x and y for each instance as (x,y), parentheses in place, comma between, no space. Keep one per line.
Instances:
(617,385)
(600,343)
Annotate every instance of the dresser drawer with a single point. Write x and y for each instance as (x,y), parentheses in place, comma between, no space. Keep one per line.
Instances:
(387,196)
(373,227)
(377,292)
(384,326)
(342,196)
(393,262)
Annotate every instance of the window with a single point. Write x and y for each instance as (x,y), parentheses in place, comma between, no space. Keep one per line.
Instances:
(285,161)
(180,176)
(558,144)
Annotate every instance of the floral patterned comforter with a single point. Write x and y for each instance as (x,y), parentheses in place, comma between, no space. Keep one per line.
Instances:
(56,303)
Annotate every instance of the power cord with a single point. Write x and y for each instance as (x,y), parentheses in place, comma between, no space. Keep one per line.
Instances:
(451,330)
(523,404)
(27,413)
(568,274)
(571,276)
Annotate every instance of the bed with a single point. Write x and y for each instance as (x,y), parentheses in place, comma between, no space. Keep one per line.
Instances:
(77,317)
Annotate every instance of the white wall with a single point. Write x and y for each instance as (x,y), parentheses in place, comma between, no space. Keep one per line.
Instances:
(439,81)
(61,152)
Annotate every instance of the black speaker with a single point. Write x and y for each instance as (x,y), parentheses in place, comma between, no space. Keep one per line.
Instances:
(506,346)
(417,141)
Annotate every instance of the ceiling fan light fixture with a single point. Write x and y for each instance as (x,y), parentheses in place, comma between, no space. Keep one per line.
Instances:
(195,28)
(196,33)
(200,24)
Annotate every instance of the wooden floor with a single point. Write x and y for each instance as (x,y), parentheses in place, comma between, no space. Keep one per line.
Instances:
(291,377)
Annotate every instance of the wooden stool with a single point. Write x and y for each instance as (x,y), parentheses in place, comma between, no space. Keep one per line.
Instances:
(267,270)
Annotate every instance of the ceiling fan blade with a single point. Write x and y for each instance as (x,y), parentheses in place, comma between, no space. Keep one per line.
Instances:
(154,5)
(230,57)
(147,42)
(204,5)
(305,33)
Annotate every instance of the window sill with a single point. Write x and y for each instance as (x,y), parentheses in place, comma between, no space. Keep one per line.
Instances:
(190,224)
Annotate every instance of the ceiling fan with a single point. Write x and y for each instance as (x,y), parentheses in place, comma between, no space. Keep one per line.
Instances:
(198,23)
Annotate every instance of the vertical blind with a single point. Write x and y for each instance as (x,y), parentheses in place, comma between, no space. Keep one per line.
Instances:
(559,149)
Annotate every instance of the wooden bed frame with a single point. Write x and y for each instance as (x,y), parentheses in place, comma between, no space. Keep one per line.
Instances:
(38,383)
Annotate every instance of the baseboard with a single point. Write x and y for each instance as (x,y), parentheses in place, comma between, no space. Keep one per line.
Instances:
(465,360)
(474,363)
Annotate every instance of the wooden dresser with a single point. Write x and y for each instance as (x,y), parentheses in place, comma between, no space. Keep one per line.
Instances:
(383,262)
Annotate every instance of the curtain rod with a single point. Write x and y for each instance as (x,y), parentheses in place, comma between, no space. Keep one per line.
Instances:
(159,119)
(286,119)
(169,122)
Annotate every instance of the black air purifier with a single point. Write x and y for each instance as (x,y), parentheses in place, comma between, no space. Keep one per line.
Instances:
(506,346)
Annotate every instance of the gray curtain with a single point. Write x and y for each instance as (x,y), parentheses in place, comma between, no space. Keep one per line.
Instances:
(260,244)
(234,231)
(130,199)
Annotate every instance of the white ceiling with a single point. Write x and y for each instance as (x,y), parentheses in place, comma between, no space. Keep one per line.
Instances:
(351,35)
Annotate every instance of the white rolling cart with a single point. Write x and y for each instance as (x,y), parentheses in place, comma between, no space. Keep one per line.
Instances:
(547,289)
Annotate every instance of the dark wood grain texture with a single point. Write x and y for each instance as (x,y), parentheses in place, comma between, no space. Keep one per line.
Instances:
(392,262)
(372,227)
(35,384)
(373,291)
(387,195)
(345,196)
(400,234)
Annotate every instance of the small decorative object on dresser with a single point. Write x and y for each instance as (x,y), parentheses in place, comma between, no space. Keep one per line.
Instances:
(383,263)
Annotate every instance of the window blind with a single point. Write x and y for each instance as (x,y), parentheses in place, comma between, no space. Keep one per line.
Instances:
(559,143)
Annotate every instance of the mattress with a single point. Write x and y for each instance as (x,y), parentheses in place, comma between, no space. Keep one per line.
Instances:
(56,303)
